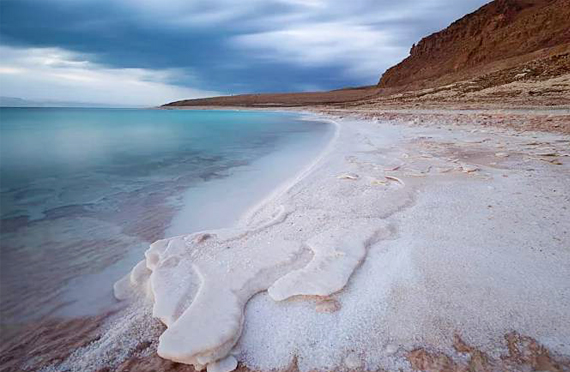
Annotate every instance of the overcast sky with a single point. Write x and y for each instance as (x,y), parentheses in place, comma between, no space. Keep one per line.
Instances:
(148,52)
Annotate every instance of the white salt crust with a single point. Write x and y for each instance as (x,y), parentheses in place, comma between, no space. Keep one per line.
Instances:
(423,270)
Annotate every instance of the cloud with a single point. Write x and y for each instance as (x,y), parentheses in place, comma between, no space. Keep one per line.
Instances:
(58,74)
(362,50)
(362,37)
(225,45)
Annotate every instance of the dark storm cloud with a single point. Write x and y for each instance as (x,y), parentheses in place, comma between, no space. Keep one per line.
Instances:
(233,46)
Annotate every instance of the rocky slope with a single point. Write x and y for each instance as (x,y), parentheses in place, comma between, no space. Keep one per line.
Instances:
(283,99)
(541,83)
(507,54)
(501,34)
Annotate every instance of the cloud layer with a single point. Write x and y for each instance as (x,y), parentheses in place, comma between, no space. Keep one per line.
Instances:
(151,51)
(48,74)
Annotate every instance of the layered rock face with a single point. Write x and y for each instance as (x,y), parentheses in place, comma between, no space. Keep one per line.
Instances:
(500,35)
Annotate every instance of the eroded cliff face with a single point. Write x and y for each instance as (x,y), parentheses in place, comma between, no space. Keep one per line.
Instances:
(501,34)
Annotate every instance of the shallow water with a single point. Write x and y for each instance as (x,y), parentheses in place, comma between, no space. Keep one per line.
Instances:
(85,191)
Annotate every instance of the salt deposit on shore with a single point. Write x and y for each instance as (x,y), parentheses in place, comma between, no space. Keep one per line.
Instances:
(431,235)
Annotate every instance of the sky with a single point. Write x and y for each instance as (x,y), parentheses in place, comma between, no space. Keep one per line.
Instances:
(149,52)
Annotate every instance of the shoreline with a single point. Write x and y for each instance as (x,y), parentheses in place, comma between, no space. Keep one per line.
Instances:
(462,172)
(267,185)
(283,187)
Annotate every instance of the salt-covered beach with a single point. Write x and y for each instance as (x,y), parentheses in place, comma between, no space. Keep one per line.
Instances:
(403,246)
(285,186)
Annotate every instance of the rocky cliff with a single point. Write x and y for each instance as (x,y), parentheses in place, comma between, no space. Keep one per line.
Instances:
(501,34)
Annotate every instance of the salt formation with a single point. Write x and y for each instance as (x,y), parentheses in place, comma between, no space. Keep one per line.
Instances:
(204,312)
(200,283)
(336,254)
(226,364)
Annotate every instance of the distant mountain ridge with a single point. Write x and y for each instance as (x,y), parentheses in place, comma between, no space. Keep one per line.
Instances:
(21,102)
(499,35)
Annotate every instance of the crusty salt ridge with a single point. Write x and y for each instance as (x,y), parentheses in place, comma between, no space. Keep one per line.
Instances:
(428,270)
(200,284)
(336,254)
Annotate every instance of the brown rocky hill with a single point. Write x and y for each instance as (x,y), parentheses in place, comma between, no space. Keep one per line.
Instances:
(507,54)
(501,34)
(283,99)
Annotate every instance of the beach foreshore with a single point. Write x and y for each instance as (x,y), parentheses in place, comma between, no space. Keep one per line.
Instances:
(413,243)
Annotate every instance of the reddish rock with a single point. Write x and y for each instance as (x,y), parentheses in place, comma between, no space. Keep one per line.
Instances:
(501,34)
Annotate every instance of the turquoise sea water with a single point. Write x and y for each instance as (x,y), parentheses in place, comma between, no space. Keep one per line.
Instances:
(85,191)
